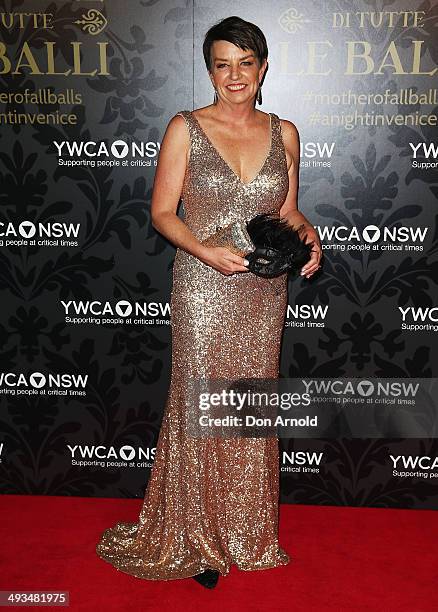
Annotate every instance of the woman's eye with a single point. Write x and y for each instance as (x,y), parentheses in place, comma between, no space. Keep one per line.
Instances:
(222,65)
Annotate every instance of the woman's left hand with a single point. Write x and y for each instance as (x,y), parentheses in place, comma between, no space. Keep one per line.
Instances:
(311,235)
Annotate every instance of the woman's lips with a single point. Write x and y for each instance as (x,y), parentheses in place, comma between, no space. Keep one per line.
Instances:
(236,87)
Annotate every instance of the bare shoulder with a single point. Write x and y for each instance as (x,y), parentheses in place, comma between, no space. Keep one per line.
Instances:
(176,138)
(177,127)
(289,131)
(291,140)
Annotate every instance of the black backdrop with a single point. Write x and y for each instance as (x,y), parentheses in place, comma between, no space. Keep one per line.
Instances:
(87,89)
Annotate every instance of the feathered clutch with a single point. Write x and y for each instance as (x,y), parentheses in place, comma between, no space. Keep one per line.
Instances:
(270,244)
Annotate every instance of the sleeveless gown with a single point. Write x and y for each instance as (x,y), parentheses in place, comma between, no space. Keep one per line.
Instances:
(212,502)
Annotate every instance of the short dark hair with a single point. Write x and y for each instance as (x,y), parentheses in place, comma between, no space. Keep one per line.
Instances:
(241,33)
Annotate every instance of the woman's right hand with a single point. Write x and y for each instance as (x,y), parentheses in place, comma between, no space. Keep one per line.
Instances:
(223,260)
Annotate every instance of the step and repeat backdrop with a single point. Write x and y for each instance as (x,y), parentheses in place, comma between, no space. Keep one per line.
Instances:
(87,89)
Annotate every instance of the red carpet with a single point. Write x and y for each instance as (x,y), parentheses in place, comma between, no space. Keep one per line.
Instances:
(342,559)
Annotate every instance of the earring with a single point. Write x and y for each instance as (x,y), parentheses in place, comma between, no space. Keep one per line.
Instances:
(259,95)
(215,96)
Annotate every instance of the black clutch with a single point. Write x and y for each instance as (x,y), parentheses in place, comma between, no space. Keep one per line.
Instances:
(267,241)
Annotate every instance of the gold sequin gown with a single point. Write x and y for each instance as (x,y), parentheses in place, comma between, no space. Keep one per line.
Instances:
(212,502)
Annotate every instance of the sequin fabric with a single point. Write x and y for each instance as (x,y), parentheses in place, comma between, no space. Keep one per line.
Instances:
(213,502)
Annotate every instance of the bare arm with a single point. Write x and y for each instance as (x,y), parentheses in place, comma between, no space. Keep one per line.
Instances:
(168,183)
(289,208)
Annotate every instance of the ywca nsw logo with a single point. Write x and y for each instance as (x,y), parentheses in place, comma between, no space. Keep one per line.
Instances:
(96,154)
(126,456)
(40,383)
(372,238)
(26,233)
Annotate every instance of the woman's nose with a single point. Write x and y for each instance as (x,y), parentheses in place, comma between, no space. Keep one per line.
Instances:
(234,71)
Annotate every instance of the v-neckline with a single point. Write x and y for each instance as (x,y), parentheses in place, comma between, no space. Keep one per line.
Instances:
(227,164)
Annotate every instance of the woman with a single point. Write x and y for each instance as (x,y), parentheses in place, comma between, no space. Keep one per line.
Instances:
(212,501)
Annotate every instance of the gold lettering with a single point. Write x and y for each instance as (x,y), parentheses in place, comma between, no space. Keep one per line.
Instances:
(284,60)
(47,21)
(391,15)
(34,20)
(27,53)
(77,61)
(362,19)
(418,18)
(376,19)
(103,59)
(26,60)
(351,54)
(391,54)
(341,20)
(7,20)
(396,63)
(4,59)
(380,19)
(51,60)
(406,15)
(313,56)
(416,60)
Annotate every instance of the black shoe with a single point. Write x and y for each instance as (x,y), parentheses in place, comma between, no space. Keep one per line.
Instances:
(208,578)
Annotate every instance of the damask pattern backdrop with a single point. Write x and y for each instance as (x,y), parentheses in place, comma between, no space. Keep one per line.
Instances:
(87,89)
